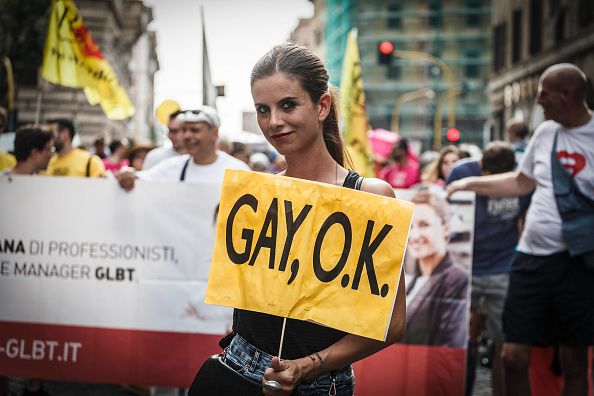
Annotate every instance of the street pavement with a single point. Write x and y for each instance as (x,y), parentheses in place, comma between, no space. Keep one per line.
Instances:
(482,385)
(61,388)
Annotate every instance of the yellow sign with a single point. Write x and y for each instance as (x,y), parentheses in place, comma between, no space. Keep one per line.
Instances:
(71,58)
(352,108)
(309,251)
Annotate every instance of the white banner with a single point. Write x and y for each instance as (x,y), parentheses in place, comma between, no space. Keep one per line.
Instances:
(84,252)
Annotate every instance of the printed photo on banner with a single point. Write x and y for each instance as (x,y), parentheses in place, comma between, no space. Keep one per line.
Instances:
(276,251)
(438,267)
(431,359)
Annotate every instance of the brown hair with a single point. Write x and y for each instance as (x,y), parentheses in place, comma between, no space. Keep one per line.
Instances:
(499,157)
(442,154)
(27,139)
(433,170)
(435,198)
(309,70)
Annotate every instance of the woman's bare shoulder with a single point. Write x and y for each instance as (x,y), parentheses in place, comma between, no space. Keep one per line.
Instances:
(377,186)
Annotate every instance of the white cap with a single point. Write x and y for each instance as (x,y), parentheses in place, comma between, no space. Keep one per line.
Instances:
(203,114)
(259,158)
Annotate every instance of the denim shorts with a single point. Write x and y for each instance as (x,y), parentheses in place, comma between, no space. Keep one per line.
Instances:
(251,363)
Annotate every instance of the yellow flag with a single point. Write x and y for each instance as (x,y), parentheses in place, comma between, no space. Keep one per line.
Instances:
(72,58)
(352,108)
(309,251)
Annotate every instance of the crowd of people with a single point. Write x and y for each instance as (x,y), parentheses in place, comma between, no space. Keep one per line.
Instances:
(101,160)
(530,285)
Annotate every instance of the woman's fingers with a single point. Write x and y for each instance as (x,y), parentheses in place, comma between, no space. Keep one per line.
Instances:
(285,373)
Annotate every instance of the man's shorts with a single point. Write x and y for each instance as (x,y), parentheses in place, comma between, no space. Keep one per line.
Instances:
(492,289)
(550,299)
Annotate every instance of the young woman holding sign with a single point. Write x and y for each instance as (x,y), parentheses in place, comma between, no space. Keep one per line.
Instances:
(297,113)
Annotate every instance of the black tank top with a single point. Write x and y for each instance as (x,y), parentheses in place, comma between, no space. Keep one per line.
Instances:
(301,338)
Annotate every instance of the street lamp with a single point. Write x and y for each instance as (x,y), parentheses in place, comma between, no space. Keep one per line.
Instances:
(451,95)
(408,97)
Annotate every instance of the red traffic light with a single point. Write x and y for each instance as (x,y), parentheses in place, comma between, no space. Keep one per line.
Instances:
(386,48)
(453,135)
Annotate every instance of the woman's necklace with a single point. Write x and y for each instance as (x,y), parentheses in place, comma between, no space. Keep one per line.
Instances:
(336,168)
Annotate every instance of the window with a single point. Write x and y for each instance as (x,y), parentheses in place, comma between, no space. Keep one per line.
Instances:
(560,25)
(27,75)
(516,35)
(585,13)
(435,13)
(535,26)
(472,67)
(553,7)
(499,46)
(394,18)
(394,71)
(473,13)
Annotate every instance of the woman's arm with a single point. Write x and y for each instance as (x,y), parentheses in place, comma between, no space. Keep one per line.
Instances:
(352,348)
(348,349)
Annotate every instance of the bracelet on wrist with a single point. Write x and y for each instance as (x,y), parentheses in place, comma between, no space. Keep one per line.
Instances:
(321,370)
(313,361)
(316,367)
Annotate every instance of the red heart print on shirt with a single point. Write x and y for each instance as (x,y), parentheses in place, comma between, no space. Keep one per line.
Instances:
(575,162)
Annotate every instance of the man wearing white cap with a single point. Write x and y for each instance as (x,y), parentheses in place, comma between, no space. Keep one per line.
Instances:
(200,129)
(175,135)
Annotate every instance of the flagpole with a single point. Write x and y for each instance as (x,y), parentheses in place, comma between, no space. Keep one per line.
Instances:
(10,121)
(209,93)
(204,88)
(39,97)
(280,347)
(272,385)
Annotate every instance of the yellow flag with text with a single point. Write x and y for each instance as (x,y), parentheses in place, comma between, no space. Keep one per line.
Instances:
(71,58)
(310,251)
(352,108)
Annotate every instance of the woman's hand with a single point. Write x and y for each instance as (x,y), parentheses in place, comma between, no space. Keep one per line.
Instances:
(287,373)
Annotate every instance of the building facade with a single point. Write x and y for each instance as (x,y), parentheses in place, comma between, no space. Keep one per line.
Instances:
(310,32)
(143,66)
(119,27)
(529,36)
(340,18)
(454,32)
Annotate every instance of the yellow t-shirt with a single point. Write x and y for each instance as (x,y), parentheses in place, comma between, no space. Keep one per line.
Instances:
(75,164)
(7,161)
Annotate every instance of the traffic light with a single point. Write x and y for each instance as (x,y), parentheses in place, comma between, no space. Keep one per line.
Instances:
(384,52)
(453,135)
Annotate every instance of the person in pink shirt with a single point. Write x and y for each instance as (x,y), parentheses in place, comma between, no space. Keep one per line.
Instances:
(116,159)
(404,171)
